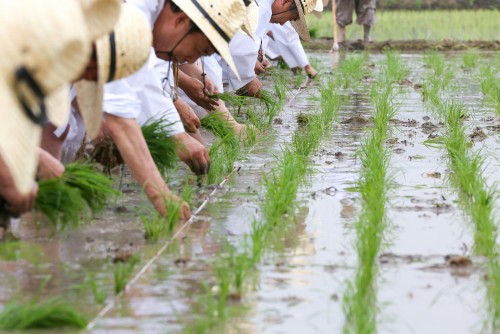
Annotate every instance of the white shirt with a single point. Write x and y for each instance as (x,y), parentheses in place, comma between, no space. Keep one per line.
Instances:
(289,46)
(244,50)
(141,96)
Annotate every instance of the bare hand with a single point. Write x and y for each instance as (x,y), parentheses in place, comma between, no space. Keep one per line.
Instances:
(48,166)
(189,119)
(195,90)
(160,202)
(193,153)
(259,68)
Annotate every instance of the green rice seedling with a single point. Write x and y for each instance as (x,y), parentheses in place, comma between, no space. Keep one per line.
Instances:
(94,187)
(187,192)
(224,151)
(352,70)
(470,60)
(271,104)
(60,202)
(99,295)
(162,147)
(490,85)
(435,61)
(122,272)
(230,98)
(79,191)
(154,227)
(173,213)
(49,314)
(394,69)
(360,300)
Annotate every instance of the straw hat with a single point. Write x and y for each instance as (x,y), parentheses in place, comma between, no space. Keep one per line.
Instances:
(101,16)
(218,20)
(119,54)
(318,9)
(251,19)
(38,57)
(305,7)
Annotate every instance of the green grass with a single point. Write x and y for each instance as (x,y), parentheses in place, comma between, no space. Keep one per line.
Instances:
(429,25)
(81,190)
(49,314)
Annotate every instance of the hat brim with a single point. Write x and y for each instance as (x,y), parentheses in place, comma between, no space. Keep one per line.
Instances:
(251,20)
(300,25)
(19,140)
(58,106)
(220,44)
(89,95)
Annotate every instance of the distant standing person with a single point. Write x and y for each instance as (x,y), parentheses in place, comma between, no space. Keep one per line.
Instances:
(365,15)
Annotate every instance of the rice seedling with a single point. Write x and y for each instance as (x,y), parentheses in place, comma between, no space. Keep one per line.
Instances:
(470,60)
(224,151)
(352,70)
(162,147)
(122,272)
(80,190)
(230,98)
(99,295)
(394,69)
(490,85)
(49,314)
(234,268)
(271,104)
(360,299)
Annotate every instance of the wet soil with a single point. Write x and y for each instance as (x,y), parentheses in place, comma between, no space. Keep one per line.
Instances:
(429,281)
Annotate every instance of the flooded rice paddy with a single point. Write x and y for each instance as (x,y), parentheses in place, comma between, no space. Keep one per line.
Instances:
(429,279)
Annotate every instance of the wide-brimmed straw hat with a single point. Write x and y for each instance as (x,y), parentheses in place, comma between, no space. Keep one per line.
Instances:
(39,56)
(218,20)
(119,54)
(305,7)
(101,16)
(251,19)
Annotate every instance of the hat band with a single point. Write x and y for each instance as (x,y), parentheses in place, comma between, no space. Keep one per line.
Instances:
(302,6)
(22,75)
(211,21)
(112,57)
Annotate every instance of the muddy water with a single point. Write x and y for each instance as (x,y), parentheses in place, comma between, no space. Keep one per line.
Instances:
(298,289)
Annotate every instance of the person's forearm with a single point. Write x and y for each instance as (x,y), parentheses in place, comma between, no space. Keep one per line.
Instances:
(191,70)
(128,137)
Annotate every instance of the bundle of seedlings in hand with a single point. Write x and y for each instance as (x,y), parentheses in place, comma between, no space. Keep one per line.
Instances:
(156,226)
(49,314)
(81,189)
(230,98)
(162,147)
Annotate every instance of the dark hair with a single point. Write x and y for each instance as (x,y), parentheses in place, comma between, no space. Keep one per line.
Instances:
(176,9)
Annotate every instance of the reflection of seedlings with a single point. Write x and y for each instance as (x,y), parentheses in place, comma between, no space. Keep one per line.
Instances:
(49,314)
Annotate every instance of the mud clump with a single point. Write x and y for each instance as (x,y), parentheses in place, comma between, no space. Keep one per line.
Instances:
(478,135)
(303,119)
(456,261)
(106,153)
(356,120)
